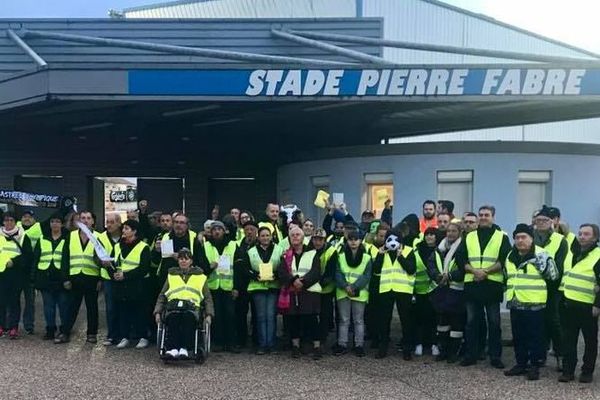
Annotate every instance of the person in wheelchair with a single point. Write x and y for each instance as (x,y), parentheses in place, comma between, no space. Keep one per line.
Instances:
(184,290)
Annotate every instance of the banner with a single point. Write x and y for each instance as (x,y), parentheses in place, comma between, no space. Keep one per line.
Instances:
(123,196)
(36,199)
(100,250)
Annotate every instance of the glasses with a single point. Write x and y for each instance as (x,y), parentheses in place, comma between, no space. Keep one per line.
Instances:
(539,220)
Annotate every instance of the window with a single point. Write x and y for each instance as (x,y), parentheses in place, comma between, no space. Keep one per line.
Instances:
(318,183)
(456,186)
(380,188)
(533,192)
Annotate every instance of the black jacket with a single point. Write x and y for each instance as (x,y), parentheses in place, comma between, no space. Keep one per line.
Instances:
(131,287)
(51,278)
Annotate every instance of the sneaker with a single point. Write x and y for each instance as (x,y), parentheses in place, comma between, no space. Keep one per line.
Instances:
(497,363)
(123,343)
(142,344)
(467,362)
(419,350)
(91,339)
(586,377)
(317,353)
(13,333)
(565,377)
(340,350)
(61,338)
(296,353)
(534,374)
(107,342)
(183,354)
(173,353)
(29,331)
(359,351)
(435,351)
(516,371)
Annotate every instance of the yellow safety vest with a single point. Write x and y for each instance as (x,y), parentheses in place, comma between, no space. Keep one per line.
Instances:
(304,267)
(47,255)
(255,262)
(8,250)
(352,275)
(528,287)
(80,260)
(34,233)
(166,236)
(133,259)
(483,259)
(182,290)
(220,279)
(580,281)
(394,277)
(274,229)
(108,245)
(324,259)
(423,284)
(451,268)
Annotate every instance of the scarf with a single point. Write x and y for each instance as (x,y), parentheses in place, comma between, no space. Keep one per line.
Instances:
(448,250)
(15,234)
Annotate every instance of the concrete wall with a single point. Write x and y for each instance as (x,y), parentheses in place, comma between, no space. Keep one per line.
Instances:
(495,181)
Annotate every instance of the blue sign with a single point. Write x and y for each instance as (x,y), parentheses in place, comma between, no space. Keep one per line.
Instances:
(367,82)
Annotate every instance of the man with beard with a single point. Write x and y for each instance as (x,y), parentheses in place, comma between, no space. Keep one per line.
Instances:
(428,220)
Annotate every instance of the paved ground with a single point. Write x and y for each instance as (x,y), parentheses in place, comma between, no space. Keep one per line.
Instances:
(34,369)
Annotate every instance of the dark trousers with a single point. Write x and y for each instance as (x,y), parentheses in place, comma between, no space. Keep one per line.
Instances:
(303,324)
(28,306)
(475,310)
(181,329)
(578,317)
(83,287)
(528,337)
(553,329)
(223,329)
(111,320)
(455,321)
(425,318)
(9,299)
(130,319)
(373,311)
(149,296)
(243,304)
(53,299)
(403,302)
(326,315)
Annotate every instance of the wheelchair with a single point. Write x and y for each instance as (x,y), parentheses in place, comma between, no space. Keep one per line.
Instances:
(201,348)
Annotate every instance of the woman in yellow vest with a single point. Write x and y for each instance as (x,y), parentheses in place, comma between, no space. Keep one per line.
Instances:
(299,272)
(527,269)
(15,262)
(261,262)
(131,263)
(47,257)
(352,293)
(582,304)
(185,283)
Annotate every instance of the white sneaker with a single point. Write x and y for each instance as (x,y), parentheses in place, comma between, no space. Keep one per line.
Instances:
(123,343)
(435,351)
(174,353)
(107,342)
(183,353)
(142,344)
(419,350)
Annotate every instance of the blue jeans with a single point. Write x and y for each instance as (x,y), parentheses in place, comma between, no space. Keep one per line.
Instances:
(29,306)
(111,323)
(265,302)
(53,299)
(473,334)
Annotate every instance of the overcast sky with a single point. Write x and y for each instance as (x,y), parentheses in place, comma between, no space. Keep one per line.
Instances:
(572,21)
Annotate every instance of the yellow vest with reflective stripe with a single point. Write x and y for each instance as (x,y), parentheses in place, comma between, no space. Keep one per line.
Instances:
(394,277)
(352,275)
(451,268)
(324,258)
(423,284)
(191,237)
(580,281)
(47,255)
(133,259)
(8,251)
(255,262)
(108,245)
(190,290)
(528,287)
(220,279)
(304,267)
(483,259)
(275,231)
(81,261)
(34,233)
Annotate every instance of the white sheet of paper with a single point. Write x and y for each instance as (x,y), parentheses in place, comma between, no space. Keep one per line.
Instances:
(224,264)
(166,248)
(338,198)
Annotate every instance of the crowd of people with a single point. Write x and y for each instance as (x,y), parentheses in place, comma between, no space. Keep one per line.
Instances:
(446,275)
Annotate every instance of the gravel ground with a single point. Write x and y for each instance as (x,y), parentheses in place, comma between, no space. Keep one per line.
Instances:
(34,369)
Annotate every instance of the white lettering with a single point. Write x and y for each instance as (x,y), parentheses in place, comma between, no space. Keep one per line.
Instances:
(332,85)
(511,82)
(534,81)
(438,81)
(383,82)
(574,81)
(491,80)
(255,82)
(291,84)
(457,80)
(368,78)
(273,77)
(397,82)
(315,79)
(554,81)
(415,83)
